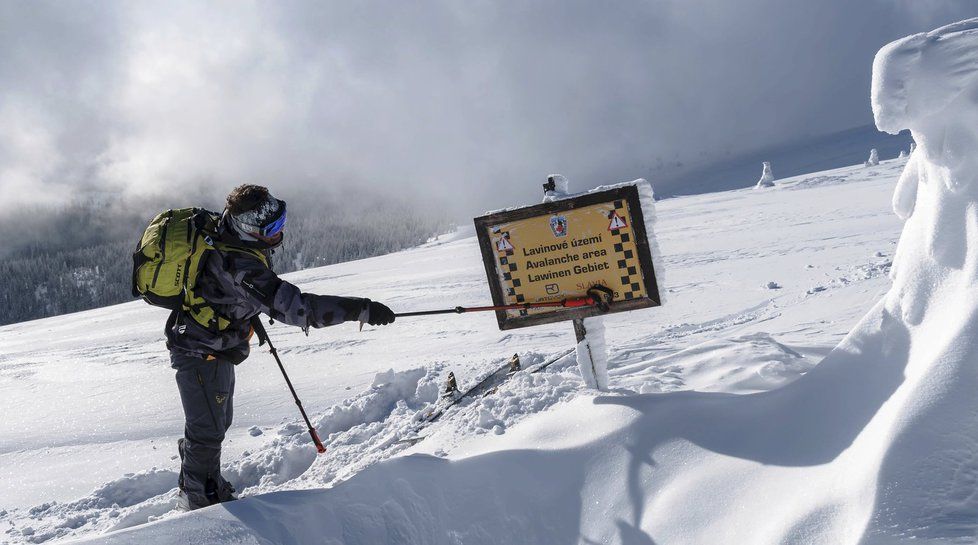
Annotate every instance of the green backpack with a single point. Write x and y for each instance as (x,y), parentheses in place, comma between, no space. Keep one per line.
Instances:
(168,258)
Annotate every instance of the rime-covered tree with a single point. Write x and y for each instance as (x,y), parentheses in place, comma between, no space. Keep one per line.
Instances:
(874,158)
(80,256)
(767,177)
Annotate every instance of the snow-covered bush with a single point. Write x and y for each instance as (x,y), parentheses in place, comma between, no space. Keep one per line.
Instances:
(767,177)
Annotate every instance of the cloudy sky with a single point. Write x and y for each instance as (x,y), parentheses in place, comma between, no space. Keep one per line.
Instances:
(472,101)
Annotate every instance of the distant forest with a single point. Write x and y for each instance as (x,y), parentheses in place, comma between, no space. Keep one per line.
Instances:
(79,256)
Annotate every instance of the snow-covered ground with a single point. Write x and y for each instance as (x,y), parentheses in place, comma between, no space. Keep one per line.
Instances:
(92,415)
(788,392)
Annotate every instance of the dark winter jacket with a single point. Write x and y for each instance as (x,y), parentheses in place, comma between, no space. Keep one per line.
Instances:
(239,286)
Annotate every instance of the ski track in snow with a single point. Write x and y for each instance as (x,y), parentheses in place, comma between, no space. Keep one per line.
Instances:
(722,331)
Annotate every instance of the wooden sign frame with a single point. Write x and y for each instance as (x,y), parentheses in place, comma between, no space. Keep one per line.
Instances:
(490,256)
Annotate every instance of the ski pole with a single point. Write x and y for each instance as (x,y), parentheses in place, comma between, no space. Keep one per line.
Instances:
(262,339)
(599,296)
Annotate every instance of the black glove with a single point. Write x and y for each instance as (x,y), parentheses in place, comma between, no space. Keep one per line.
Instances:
(375,313)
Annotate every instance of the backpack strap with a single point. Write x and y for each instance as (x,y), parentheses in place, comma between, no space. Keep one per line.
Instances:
(197,307)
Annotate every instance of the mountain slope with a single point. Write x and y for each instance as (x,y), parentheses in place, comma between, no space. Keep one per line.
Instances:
(747,410)
(810,154)
(826,239)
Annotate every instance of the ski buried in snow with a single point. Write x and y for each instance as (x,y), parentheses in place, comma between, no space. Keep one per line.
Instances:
(452,396)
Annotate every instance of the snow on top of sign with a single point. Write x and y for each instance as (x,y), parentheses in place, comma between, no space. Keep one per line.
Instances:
(560,190)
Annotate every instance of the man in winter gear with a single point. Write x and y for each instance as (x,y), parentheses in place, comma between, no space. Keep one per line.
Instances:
(237,286)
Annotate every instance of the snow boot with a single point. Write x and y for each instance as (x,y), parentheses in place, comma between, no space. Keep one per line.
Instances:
(215,493)
(220,493)
(183,502)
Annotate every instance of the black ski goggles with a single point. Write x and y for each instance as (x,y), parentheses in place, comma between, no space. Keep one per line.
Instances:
(277,225)
(268,230)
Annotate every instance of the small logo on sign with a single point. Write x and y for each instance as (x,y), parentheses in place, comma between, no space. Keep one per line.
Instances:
(503,244)
(558,224)
(552,289)
(617,222)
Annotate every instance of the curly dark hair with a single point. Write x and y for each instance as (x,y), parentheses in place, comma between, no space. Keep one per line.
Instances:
(246,197)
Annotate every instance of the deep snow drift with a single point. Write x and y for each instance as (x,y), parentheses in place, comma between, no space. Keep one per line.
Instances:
(928,83)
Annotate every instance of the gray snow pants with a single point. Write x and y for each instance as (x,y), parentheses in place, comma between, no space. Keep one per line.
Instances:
(207,392)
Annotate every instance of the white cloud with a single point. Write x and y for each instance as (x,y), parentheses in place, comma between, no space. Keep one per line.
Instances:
(477,100)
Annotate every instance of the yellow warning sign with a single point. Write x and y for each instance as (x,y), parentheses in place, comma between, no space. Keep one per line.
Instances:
(558,250)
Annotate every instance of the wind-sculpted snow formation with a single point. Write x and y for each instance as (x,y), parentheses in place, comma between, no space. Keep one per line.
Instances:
(928,83)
